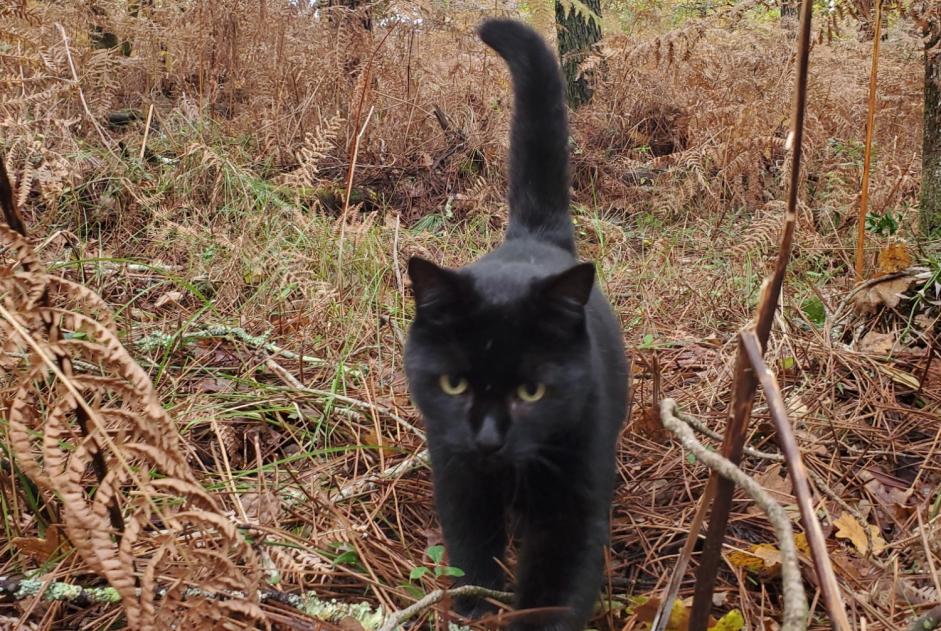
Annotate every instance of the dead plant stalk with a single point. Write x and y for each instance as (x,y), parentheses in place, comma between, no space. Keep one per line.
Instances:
(81,95)
(354,153)
(795,601)
(867,156)
(745,380)
(798,474)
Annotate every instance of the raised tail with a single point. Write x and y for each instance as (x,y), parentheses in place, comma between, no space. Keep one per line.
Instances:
(539,157)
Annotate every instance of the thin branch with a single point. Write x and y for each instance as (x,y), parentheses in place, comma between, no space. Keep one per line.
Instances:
(81,94)
(795,601)
(818,481)
(397,618)
(929,556)
(788,444)
(867,153)
(745,382)
(368,482)
(143,144)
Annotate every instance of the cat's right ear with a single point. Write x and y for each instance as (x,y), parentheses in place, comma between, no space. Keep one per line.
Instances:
(434,287)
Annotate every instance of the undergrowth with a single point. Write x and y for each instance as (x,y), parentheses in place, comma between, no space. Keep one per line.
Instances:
(256,272)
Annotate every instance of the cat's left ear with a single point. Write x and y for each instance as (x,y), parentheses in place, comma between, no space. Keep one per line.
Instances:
(571,287)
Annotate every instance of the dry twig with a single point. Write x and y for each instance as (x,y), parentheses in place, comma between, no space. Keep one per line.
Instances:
(867,156)
(394,620)
(795,602)
(788,444)
(745,383)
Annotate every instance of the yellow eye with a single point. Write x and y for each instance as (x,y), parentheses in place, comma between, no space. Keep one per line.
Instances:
(453,385)
(531,392)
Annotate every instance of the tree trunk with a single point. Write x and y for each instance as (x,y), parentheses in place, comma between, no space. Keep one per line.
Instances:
(930,214)
(576,36)
(789,14)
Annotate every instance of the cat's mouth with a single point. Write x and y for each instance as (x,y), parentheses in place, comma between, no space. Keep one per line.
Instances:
(491,461)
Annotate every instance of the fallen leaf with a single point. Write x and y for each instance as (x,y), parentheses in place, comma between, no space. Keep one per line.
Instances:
(38,549)
(878,343)
(800,540)
(849,528)
(646,609)
(650,426)
(349,623)
(772,480)
(796,408)
(893,258)
(892,498)
(767,553)
(770,624)
(262,508)
(926,321)
(170,296)
(849,564)
(762,558)
(887,293)
(732,621)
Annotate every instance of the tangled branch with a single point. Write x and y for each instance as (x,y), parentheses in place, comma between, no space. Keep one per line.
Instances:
(795,602)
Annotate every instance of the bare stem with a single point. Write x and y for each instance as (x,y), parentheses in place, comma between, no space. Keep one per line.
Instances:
(795,602)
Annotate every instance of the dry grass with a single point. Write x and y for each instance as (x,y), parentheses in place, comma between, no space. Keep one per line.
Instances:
(234,218)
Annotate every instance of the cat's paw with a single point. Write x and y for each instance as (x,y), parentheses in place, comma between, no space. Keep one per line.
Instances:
(544,626)
(473,608)
(546,623)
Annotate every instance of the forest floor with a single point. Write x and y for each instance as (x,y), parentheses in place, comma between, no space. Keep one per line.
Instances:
(269,311)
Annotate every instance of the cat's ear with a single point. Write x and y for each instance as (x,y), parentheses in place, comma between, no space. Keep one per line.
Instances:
(572,287)
(432,285)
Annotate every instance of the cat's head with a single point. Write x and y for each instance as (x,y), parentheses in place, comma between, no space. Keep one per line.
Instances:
(497,359)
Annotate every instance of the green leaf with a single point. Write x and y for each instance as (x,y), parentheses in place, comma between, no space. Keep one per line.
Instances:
(814,310)
(691,458)
(435,553)
(429,223)
(447,570)
(788,363)
(417,573)
(882,224)
(414,591)
(347,558)
(732,621)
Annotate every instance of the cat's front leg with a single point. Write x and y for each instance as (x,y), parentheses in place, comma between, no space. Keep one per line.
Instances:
(471,511)
(560,571)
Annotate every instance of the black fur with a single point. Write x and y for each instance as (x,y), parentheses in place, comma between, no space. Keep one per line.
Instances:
(539,140)
(525,314)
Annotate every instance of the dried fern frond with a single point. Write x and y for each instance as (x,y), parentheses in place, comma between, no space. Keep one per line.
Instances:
(317,146)
(764,229)
(85,424)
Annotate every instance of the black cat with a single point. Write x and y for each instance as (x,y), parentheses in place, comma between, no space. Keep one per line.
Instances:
(517,365)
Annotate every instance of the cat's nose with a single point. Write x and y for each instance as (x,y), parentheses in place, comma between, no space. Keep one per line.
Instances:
(489,437)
